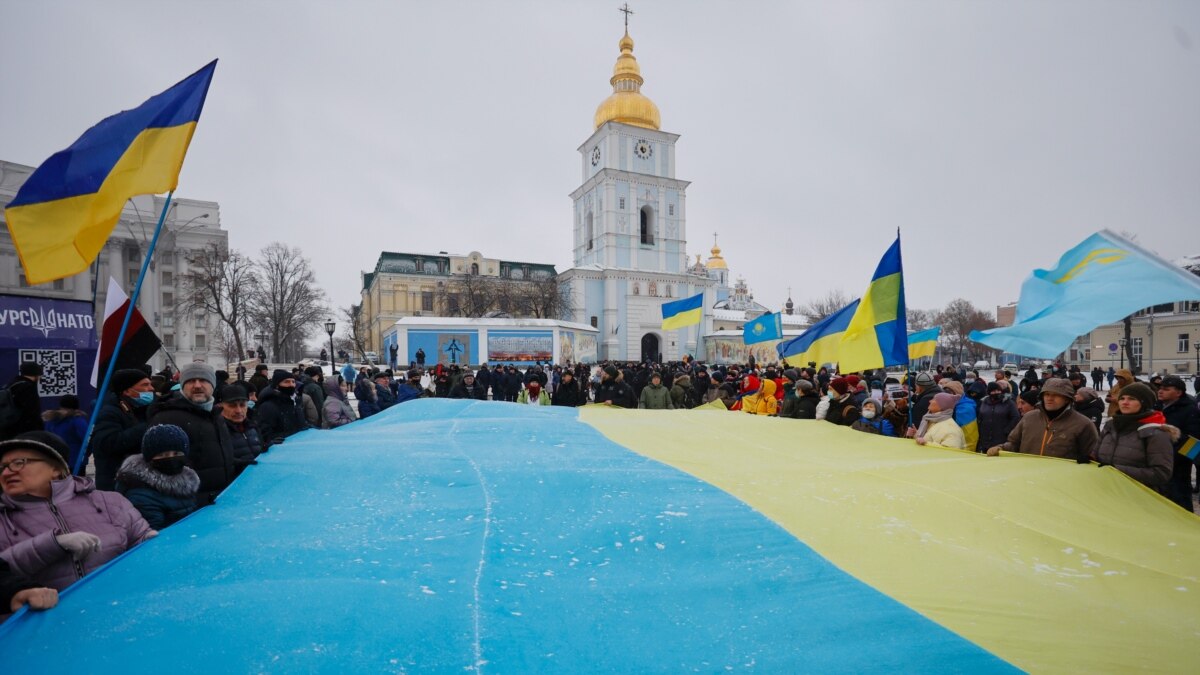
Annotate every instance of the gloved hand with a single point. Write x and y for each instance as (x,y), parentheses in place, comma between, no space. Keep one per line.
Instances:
(79,544)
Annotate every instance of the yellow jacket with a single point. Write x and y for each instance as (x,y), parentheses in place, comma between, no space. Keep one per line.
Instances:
(762,403)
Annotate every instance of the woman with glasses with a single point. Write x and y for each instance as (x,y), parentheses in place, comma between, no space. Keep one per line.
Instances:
(55,527)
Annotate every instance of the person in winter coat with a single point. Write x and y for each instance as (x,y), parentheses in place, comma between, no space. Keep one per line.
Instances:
(612,390)
(1123,377)
(1181,412)
(872,420)
(533,394)
(924,390)
(840,408)
(24,392)
(1053,428)
(338,412)
(713,393)
(314,387)
(384,397)
(469,387)
(966,411)
(259,380)
(55,527)
(409,390)
(365,394)
(655,396)
(763,402)
(69,423)
(895,411)
(193,410)
(16,593)
(279,415)
(568,393)
(158,482)
(804,404)
(120,424)
(1088,403)
(1138,440)
(938,426)
(997,418)
(681,393)
(243,433)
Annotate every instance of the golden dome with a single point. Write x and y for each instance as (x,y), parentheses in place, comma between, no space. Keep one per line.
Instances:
(716,262)
(627,104)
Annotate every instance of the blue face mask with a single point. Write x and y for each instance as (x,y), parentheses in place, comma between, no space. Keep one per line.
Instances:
(249,405)
(144,398)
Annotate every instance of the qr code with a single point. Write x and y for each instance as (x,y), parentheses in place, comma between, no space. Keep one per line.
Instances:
(59,374)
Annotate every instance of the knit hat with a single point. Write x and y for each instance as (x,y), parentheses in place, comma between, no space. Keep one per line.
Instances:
(1087,394)
(164,438)
(804,385)
(44,443)
(611,371)
(30,368)
(197,371)
(952,386)
(279,376)
(1057,385)
(125,378)
(853,381)
(1174,382)
(840,385)
(1030,397)
(994,387)
(924,379)
(791,374)
(946,401)
(1142,392)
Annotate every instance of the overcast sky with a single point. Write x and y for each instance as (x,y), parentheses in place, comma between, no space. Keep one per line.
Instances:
(996,135)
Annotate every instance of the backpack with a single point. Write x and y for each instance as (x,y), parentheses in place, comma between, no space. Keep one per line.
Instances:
(9,414)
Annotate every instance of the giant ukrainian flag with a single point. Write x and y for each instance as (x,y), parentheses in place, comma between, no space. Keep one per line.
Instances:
(505,538)
(819,344)
(1103,279)
(64,213)
(681,313)
(878,334)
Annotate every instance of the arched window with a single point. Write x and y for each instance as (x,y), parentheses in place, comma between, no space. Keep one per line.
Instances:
(647,225)
(588,233)
(474,269)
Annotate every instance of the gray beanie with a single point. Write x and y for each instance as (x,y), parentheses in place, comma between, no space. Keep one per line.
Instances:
(198,371)
(924,379)
(804,385)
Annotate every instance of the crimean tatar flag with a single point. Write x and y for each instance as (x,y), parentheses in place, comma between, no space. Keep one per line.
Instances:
(64,213)
(819,344)
(1103,279)
(923,343)
(878,334)
(764,328)
(681,313)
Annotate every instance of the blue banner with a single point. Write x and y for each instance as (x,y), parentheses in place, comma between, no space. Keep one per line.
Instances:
(60,335)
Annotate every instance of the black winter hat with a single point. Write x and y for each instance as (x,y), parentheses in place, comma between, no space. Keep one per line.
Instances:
(610,370)
(164,438)
(791,374)
(279,376)
(232,392)
(30,368)
(1142,392)
(126,378)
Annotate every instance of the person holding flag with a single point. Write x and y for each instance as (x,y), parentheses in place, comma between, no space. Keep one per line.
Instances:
(1179,411)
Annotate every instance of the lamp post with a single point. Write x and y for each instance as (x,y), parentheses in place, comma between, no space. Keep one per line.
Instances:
(1122,342)
(330,326)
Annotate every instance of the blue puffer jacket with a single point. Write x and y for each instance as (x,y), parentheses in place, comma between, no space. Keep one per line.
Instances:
(160,498)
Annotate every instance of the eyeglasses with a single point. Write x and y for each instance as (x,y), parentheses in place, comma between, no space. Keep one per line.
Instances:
(18,464)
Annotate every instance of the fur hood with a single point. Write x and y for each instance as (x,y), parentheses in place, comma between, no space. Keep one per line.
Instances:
(59,414)
(1172,431)
(135,471)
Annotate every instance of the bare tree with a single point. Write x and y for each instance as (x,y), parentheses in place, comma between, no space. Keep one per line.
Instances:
(286,303)
(920,319)
(220,283)
(355,332)
(546,299)
(468,295)
(958,320)
(822,307)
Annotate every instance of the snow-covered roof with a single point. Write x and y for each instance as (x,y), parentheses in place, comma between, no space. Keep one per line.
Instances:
(729,314)
(452,322)
(794,320)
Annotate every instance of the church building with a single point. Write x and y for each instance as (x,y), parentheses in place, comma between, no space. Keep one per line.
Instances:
(630,229)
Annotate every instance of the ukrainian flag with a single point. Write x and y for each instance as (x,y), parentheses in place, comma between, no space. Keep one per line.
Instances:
(764,328)
(1103,279)
(682,313)
(878,334)
(923,343)
(819,344)
(62,216)
(966,416)
(1190,448)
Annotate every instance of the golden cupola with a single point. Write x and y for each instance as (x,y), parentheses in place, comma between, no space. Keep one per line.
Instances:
(716,262)
(627,104)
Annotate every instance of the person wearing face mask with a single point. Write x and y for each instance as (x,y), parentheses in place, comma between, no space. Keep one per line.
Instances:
(120,424)
(279,413)
(997,417)
(193,410)
(1054,428)
(158,482)
(872,420)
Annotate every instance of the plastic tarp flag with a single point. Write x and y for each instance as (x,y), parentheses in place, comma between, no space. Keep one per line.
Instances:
(458,536)
(1103,279)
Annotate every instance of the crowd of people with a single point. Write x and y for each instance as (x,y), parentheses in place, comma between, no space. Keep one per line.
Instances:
(166,444)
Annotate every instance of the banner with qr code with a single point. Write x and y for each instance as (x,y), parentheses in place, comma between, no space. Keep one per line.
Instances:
(60,335)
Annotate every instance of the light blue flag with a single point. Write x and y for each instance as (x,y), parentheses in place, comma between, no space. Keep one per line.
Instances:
(1102,280)
(764,328)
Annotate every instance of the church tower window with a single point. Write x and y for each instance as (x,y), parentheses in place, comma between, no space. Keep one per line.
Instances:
(588,233)
(647,226)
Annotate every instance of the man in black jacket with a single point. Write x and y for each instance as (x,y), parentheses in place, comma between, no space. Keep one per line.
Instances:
(279,415)
(243,434)
(24,391)
(568,393)
(1180,411)
(193,411)
(120,424)
(926,389)
(469,387)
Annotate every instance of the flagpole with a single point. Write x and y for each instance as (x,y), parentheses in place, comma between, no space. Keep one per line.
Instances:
(112,362)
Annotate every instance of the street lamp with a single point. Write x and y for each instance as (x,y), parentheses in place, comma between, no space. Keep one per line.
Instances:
(1122,342)
(330,326)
